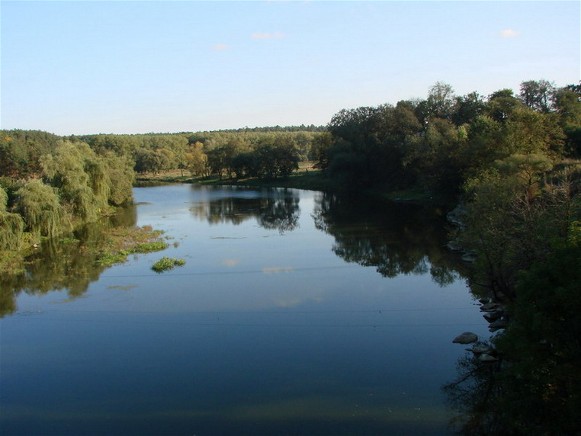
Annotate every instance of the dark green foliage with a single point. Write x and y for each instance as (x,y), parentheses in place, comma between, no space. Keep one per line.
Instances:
(442,141)
(543,347)
(536,389)
(21,150)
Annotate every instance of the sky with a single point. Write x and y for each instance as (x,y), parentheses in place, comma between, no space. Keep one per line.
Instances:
(85,67)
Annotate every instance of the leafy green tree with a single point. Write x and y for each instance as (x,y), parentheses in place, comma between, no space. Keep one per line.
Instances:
(440,101)
(437,157)
(467,108)
(320,150)
(121,176)
(538,95)
(501,104)
(66,168)
(39,206)
(527,131)
(516,212)
(197,160)
(21,150)
(568,107)
(11,225)
(146,161)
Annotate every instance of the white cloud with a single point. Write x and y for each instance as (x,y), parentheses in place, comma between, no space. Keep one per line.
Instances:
(509,33)
(261,35)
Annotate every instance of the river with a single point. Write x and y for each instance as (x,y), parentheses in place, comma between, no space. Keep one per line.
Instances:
(296,313)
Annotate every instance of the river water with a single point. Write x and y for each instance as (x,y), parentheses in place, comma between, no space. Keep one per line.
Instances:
(296,313)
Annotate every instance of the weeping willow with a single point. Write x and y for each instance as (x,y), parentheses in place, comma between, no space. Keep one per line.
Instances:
(65,170)
(11,226)
(3,199)
(39,206)
(99,180)
(120,170)
(11,231)
(82,204)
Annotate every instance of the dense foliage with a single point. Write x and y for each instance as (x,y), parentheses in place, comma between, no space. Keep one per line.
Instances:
(513,163)
(441,142)
(260,152)
(49,185)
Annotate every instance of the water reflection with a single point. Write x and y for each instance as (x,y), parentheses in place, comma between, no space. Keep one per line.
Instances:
(274,209)
(475,396)
(67,263)
(396,239)
(261,332)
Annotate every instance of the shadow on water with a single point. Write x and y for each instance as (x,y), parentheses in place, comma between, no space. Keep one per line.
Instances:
(68,262)
(394,238)
(529,380)
(273,209)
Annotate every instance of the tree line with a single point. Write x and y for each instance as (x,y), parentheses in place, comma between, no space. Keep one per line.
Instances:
(512,161)
(266,152)
(50,184)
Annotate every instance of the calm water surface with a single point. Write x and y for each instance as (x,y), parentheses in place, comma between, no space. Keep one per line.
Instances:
(296,313)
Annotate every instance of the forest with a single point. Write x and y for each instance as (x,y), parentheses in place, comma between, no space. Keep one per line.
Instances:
(508,164)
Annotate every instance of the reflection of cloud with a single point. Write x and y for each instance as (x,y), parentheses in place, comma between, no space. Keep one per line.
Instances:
(509,33)
(231,262)
(220,47)
(294,301)
(277,269)
(266,35)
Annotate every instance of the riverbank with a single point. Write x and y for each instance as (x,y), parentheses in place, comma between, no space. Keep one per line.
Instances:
(305,178)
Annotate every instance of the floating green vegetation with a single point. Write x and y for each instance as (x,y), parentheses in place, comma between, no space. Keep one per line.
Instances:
(150,247)
(123,242)
(167,263)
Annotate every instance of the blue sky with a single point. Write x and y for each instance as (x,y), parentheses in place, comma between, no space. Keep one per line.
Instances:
(80,67)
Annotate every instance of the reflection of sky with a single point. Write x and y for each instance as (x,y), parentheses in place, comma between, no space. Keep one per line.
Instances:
(257,324)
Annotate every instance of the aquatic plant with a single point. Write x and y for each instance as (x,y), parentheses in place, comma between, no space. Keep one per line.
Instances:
(167,263)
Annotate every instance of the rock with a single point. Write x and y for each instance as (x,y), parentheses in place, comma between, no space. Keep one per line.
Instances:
(469,256)
(498,324)
(457,216)
(494,315)
(481,349)
(454,245)
(489,307)
(465,338)
(487,358)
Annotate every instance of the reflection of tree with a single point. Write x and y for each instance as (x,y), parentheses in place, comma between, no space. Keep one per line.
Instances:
(395,238)
(273,208)
(68,263)
(475,396)
(537,388)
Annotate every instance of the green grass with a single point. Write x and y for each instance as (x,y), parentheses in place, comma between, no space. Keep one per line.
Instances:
(167,263)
